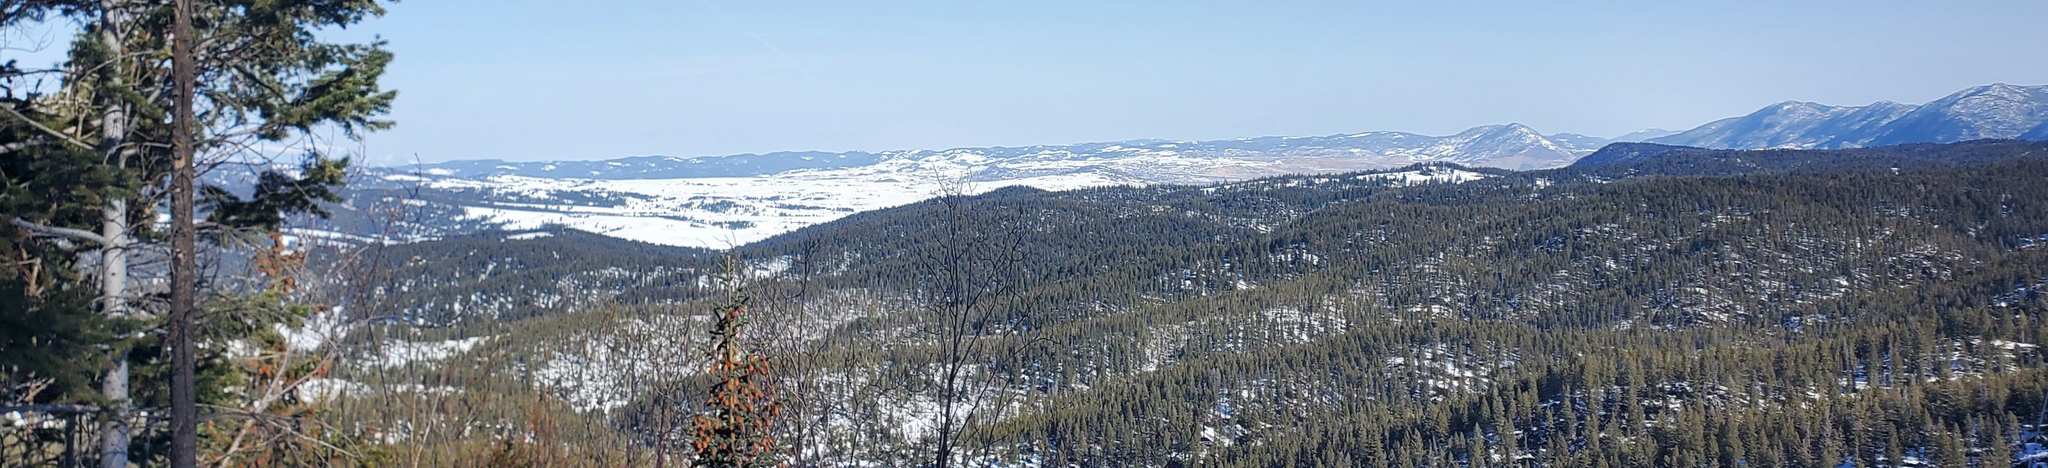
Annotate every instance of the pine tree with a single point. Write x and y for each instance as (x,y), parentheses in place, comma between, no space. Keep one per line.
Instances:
(49,335)
(1949,451)
(1997,446)
(263,76)
(735,429)
(1893,449)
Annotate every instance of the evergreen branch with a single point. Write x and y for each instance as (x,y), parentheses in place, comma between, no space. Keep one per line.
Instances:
(110,61)
(39,126)
(79,234)
(227,137)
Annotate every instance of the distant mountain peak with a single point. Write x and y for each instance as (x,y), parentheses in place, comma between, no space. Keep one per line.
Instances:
(1644,135)
(1798,105)
(1799,109)
(2002,88)
(2000,91)
(1996,110)
(1500,129)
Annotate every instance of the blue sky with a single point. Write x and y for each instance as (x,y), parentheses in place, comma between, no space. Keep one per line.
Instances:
(527,80)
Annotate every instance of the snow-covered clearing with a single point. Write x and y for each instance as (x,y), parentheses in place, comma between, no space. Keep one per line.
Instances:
(717,212)
(397,353)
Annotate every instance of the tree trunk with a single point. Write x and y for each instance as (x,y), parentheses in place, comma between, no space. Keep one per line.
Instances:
(113,300)
(114,430)
(184,248)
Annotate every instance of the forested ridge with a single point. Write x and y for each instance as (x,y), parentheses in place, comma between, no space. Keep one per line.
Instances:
(1688,308)
(201,263)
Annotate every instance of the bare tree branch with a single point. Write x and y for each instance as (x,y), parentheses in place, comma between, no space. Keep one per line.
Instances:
(79,234)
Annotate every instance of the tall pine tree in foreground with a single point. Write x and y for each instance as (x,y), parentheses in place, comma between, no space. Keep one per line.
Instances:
(263,80)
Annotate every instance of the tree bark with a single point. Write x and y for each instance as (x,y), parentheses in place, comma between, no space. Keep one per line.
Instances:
(184,264)
(114,233)
(114,427)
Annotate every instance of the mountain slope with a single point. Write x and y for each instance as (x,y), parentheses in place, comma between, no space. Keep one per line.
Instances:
(1786,124)
(1991,111)
(1667,303)
(2039,133)
(1644,135)
(1644,159)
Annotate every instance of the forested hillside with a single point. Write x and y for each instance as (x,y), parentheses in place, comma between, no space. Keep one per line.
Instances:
(1648,306)
(1020,235)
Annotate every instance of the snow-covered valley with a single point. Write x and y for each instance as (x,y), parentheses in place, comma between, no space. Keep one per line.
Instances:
(643,199)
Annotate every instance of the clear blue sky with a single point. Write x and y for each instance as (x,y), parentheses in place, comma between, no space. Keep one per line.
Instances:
(526,80)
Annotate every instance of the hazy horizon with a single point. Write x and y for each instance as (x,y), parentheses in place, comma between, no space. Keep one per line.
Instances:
(1546,132)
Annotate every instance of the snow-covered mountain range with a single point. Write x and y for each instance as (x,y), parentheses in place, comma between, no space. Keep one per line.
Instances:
(1991,111)
(729,200)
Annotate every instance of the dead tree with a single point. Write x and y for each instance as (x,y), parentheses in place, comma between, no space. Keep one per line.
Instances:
(976,265)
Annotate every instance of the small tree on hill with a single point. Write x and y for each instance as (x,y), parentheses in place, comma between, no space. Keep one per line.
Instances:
(734,428)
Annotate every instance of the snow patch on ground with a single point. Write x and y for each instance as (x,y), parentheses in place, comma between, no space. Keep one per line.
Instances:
(315,331)
(1427,175)
(397,353)
(604,369)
